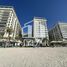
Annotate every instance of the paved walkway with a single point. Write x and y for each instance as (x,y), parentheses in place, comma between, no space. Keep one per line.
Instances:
(33,57)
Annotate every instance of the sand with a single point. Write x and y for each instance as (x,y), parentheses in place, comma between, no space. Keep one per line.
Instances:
(33,57)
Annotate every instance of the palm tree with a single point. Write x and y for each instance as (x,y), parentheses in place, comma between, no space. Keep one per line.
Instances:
(1,35)
(9,31)
(45,40)
(19,36)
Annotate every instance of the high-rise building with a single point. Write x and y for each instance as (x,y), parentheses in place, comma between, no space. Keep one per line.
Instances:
(58,34)
(8,19)
(27,31)
(37,28)
(40,28)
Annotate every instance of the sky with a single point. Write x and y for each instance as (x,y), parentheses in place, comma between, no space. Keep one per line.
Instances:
(26,10)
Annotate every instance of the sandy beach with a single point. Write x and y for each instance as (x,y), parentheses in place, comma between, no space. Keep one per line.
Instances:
(33,57)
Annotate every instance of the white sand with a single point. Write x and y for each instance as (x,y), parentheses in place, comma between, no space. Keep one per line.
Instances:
(33,57)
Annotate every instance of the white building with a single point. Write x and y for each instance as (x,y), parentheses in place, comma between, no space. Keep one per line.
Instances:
(8,19)
(27,31)
(38,30)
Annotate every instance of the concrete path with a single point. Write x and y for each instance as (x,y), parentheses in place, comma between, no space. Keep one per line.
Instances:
(33,57)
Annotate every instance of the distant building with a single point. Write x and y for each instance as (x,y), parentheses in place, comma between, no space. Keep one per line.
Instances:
(36,30)
(27,31)
(40,28)
(58,34)
(8,19)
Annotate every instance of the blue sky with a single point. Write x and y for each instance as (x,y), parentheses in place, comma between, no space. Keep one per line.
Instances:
(52,10)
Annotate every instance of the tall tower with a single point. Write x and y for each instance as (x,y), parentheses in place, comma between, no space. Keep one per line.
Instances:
(40,31)
(36,31)
(40,28)
(8,19)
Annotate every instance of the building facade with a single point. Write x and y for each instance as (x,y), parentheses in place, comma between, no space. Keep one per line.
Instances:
(27,31)
(59,33)
(8,19)
(38,30)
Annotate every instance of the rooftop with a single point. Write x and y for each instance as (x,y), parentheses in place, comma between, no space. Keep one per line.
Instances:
(1,6)
(39,18)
